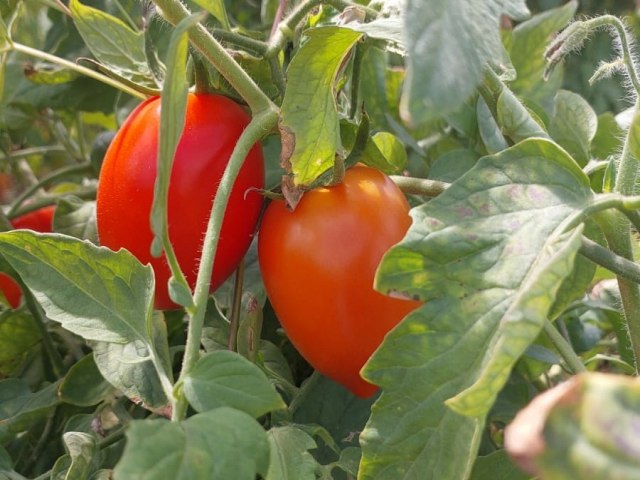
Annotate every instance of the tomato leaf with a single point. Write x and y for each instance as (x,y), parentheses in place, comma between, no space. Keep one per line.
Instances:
(583,428)
(81,459)
(488,256)
(20,408)
(20,338)
(206,445)
(449,44)
(77,218)
(216,8)
(309,123)
(101,295)
(526,48)
(113,43)
(515,120)
(573,125)
(84,385)
(497,466)
(224,378)
(385,152)
(6,467)
(290,458)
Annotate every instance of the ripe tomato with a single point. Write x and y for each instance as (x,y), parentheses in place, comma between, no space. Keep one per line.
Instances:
(213,125)
(318,264)
(40,220)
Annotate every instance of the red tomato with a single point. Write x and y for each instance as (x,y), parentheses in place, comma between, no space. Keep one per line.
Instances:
(318,264)
(40,220)
(213,125)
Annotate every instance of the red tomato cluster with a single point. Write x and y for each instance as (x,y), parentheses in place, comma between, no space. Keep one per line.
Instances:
(213,124)
(318,264)
(40,220)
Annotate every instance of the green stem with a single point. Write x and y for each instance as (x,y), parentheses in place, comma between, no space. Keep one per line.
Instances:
(628,166)
(261,124)
(609,260)
(174,11)
(48,180)
(563,347)
(355,80)
(76,68)
(618,234)
(420,186)
(46,200)
(234,322)
(232,38)
(28,152)
(57,364)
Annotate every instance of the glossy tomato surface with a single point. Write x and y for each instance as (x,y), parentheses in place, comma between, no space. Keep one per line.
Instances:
(318,264)
(40,220)
(213,125)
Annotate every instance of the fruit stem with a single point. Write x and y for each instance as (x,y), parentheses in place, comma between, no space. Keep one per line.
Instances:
(261,124)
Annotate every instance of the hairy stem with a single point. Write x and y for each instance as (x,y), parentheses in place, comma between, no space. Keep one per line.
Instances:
(419,186)
(261,123)
(564,348)
(606,258)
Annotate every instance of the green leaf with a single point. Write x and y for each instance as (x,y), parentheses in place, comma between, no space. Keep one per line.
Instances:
(385,152)
(216,8)
(205,446)
(113,43)
(497,466)
(573,125)
(528,43)
(104,296)
(81,460)
(489,130)
(450,42)
(488,257)
(92,291)
(516,121)
(309,117)
(451,165)
(84,385)
(172,117)
(583,428)
(224,378)
(20,338)
(608,138)
(290,459)
(20,408)
(6,467)
(77,218)
(49,74)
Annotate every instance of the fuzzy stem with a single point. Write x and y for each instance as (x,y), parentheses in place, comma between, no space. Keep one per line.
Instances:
(564,348)
(609,260)
(261,123)
(420,186)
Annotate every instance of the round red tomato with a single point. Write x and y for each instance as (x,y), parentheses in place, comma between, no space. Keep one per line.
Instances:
(40,220)
(213,125)
(318,264)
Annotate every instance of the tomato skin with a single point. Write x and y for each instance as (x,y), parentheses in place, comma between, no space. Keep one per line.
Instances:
(213,125)
(318,264)
(40,220)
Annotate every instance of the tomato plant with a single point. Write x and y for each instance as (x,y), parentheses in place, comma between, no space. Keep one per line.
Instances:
(126,184)
(457,154)
(327,251)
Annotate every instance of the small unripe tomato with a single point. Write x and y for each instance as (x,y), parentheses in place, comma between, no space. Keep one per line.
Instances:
(213,124)
(318,263)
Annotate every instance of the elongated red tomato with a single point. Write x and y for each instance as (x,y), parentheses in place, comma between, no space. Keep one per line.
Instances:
(318,264)
(40,220)
(213,125)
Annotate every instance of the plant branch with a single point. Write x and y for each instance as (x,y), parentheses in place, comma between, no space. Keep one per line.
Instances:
(420,186)
(18,47)
(609,260)
(261,124)
(48,180)
(235,309)
(563,347)
(46,200)
(28,152)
